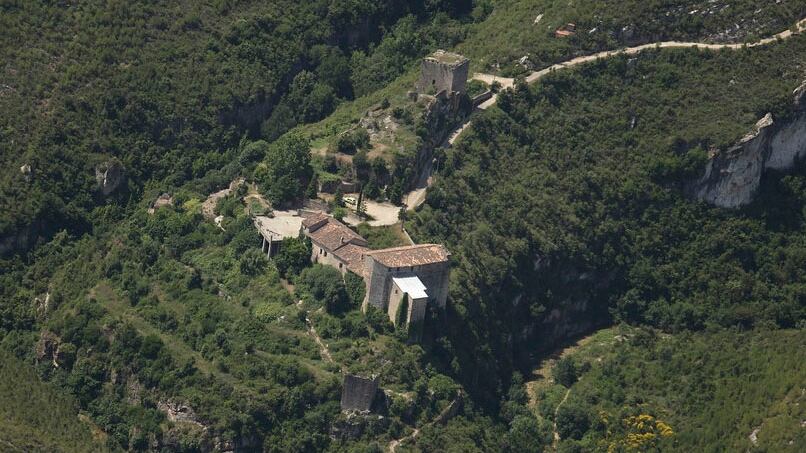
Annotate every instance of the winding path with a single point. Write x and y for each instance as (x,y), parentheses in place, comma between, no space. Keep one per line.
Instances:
(417,197)
(555,438)
(446,414)
(395,443)
(324,351)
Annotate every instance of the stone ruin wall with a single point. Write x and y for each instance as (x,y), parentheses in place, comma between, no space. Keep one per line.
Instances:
(436,77)
(358,393)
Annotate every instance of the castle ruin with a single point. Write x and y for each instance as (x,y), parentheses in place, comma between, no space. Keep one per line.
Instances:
(358,393)
(443,72)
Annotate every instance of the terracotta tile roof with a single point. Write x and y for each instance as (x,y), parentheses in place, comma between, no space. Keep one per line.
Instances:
(332,234)
(353,255)
(309,221)
(412,255)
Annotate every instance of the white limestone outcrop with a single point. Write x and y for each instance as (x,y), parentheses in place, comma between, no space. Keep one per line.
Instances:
(732,178)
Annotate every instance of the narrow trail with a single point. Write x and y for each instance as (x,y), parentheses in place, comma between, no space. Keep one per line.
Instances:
(415,198)
(395,443)
(555,435)
(324,351)
(446,414)
(537,75)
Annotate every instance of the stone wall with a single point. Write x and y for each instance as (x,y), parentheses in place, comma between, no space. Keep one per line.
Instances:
(379,281)
(437,75)
(358,393)
(393,303)
(324,256)
(442,114)
(377,277)
(435,277)
(415,312)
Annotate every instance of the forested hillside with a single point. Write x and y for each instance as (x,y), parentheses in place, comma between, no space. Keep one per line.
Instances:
(149,327)
(169,90)
(525,28)
(35,416)
(641,389)
(565,208)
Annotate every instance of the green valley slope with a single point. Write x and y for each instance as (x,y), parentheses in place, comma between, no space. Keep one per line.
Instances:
(38,417)
(727,390)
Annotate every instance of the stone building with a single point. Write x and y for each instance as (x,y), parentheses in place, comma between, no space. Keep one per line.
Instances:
(335,244)
(443,72)
(417,274)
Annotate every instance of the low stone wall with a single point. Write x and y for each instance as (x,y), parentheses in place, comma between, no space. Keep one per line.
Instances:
(333,186)
(480,98)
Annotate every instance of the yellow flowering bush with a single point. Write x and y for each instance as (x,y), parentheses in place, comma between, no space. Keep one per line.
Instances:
(642,433)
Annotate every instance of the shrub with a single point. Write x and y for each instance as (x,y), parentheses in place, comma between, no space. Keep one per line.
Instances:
(252,262)
(355,287)
(324,285)
(293,257)
(565,372)
(572,421)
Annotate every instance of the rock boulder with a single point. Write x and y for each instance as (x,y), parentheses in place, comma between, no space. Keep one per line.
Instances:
(109,175)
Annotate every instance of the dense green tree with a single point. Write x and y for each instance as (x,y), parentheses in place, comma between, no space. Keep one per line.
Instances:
(565,372)
(525,435)
(324,285)
(286,171)
(573,421)
(293,257)
(252,262)
(361,166)
(355,287)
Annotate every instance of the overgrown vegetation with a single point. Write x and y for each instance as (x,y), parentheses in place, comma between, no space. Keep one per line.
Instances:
(646,390)
(571,195)
(513,29)
(169,91)
(168,309)
(37,416)
(566,198)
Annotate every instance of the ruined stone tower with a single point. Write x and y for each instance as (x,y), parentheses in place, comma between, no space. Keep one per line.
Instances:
(443,71)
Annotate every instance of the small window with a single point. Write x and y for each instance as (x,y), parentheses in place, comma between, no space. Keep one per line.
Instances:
(395,291)
(340,265)
(325,253)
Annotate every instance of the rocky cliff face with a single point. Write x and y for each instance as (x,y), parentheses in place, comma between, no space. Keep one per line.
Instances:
(732,178)
(442,113)
(109,176)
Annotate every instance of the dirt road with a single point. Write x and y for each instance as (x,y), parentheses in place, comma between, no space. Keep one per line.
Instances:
(416,197)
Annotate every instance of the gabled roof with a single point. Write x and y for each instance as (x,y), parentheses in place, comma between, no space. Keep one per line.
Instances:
(314,219)
(412,255)
(353,255)
(334,234)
